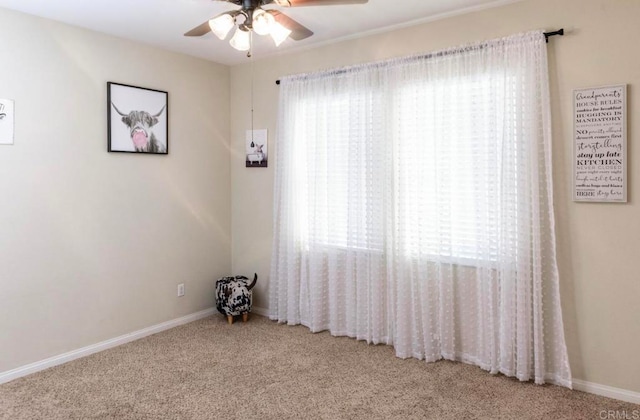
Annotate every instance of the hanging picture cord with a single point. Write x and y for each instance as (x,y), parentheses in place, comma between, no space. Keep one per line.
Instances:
(250,55)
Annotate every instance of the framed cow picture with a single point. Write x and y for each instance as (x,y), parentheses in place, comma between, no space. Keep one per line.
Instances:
(137,119)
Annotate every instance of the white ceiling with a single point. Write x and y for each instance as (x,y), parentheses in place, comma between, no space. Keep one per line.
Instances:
(162,23)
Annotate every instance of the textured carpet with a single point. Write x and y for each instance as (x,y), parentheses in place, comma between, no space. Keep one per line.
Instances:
(262,370)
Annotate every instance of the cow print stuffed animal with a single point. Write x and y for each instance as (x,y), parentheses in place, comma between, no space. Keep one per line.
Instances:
(233,296)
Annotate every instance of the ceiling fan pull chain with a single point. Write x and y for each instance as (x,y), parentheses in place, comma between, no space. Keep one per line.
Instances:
(250,52)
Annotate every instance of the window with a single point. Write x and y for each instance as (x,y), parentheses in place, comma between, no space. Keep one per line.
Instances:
(442,147)
(448,170)
(338,178)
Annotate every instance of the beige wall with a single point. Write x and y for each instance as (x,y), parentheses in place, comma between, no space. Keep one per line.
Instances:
(93,244)
(598,245)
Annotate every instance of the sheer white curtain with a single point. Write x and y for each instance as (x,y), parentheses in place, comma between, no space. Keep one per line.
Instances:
(413,207)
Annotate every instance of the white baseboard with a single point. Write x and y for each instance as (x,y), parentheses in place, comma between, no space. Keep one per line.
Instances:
(607,391)
(19,372)
(260,311)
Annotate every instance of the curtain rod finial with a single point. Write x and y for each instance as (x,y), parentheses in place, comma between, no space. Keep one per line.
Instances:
(548,34)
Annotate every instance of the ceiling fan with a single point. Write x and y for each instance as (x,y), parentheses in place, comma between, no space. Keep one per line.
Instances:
(254,17)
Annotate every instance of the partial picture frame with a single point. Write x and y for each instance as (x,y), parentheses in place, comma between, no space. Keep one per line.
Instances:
(137,119)
(7,124)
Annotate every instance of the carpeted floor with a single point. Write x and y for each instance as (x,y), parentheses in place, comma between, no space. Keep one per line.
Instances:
(262,370)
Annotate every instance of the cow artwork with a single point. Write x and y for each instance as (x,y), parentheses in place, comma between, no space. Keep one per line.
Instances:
(233,296)
(140,124)
(138,119)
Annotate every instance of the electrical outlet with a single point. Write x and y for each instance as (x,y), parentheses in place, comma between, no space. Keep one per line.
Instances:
(181,290)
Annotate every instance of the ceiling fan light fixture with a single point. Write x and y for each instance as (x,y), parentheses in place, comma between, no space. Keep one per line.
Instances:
(262,22)
(241,40)
(279,33)
(222,25)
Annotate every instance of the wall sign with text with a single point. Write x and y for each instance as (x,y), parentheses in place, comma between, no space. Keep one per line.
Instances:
(600,144)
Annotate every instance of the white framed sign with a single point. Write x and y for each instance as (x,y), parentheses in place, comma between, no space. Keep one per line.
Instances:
(6,121)
(600,144)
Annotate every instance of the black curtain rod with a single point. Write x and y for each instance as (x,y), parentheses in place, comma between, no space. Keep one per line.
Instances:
(548,34)
(546,38)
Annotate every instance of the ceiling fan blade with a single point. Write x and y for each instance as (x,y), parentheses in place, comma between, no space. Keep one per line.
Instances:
(199,30)
(204,28)
(298,31)
(300,3)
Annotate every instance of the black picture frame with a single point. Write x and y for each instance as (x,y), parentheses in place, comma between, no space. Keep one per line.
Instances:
(137,119)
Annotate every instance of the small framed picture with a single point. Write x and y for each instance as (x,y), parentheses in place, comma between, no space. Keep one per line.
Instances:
(256,149)
(137,119)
